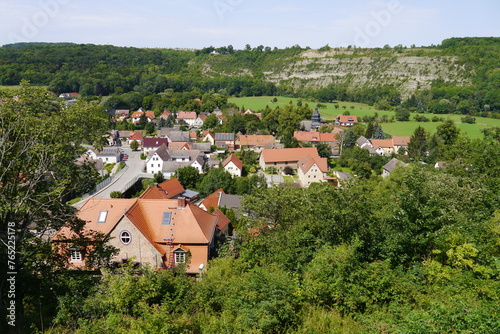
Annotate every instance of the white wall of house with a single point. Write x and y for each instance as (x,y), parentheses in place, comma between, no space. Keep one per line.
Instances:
(154,164)
(313,175)
(232,169)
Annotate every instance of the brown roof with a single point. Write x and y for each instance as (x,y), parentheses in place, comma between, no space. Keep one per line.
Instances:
(255,140)
(165,190)
(136,135)
(222,220)
(234,159)
(400,141)
(306,163)
(386,143)
(186,115)
(212,200)
(288,154)
(347,119)
(308,136)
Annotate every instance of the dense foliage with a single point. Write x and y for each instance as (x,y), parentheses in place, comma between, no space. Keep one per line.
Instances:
(104,70)
(416,252)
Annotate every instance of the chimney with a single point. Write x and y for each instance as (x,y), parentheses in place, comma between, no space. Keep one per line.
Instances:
(181,202)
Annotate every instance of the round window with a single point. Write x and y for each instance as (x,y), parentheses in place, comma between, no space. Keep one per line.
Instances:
(125,237)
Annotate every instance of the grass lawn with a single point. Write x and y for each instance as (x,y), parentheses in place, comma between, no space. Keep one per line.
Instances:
(288,179)
(359,109)
(328,113)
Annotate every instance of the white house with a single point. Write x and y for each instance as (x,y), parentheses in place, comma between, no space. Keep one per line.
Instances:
(188,117)
(108,155)
(311,170)
(233,165)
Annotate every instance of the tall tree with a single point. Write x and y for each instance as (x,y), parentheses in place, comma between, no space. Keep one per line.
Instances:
(378,133)
(448,131)
(417,147)
(40,142)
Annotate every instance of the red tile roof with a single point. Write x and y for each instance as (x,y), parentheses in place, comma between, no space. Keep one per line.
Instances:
(346,119)
(319,137)
(288,154)
(255,140)
(164,190)
(222,221)
(234,159)
(212,200)
(186,115)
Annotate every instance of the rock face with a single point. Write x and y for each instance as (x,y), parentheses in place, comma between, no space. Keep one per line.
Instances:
(408,71)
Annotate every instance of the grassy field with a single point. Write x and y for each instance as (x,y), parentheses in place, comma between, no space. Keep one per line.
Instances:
(395,128)
(328,113)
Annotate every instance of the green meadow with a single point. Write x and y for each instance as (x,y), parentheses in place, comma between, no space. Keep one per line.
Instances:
(329,112)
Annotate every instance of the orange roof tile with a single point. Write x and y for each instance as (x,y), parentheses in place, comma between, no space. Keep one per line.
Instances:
(288,154)
(222,221)
(234,159)
(400,141)
(186,115)
(212,200)
(308,136)
(347,119)
(255,140)
(385,143)
(306,163)
(164,190)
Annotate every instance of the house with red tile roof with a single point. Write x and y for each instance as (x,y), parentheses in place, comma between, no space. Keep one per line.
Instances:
(188,117)
(168,189)
(279,158)
(346,120)
(383,146)
(233,165)
(208,136)
(161,233)
(316,137)
(136,116)
(136,135)
(312,170)
(255,143)
(211,202)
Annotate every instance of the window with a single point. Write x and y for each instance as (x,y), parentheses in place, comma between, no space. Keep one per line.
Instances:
(75,255)
(180,256)
(167,216)
(125,237)
(102,217)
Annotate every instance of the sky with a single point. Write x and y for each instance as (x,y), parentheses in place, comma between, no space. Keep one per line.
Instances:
(275,23)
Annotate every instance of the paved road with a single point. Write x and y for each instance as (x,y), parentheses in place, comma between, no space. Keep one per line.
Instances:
(134,169)
(135,165)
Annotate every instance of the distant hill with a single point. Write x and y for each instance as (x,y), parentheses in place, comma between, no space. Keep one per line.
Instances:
(458,69)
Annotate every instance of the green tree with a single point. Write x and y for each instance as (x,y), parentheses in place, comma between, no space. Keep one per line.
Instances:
(448,131)
(324,150)
(210,122)
(417,147)
(188,176)
(134,145)
(378,133)
(37,176)
(216,178)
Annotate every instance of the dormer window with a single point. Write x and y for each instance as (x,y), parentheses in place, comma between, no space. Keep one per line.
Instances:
(75,254)
(180,256)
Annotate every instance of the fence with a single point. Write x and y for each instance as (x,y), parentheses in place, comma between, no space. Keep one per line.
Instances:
(104,183)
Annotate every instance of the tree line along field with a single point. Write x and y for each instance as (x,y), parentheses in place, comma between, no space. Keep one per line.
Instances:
(329,112)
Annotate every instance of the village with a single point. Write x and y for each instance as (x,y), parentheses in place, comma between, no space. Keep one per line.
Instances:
(167,225)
